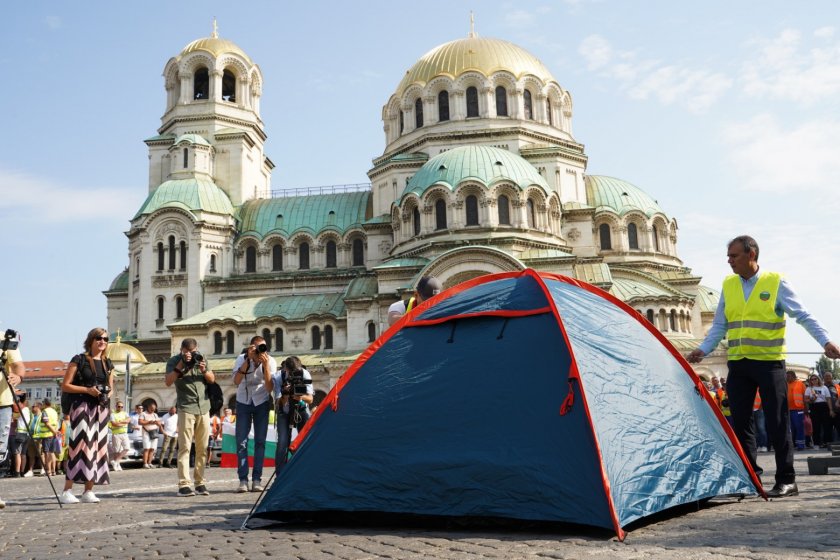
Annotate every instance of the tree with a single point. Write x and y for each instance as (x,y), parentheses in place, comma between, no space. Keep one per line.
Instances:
(825,364)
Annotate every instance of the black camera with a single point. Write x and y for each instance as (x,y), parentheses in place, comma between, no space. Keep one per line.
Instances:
(103,394)
(262,348)
(8,343)
(195,359)
(298,383)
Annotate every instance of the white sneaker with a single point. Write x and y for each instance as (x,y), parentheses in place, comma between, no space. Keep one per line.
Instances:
(147,466)
(243,487)
(117,467)
(89,498)
(67,497)
(28,474)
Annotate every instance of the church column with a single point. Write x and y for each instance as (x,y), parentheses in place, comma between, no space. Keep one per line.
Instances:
(243,92)
(215,92)
(429,110)
(186,89)
(457,107)
(516,107)
(539,110)
(488,109)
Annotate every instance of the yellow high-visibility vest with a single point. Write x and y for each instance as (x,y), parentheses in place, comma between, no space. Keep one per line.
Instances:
(754,330)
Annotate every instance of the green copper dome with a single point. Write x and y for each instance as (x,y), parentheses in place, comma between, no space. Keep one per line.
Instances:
(187,194)
(609,193)
(484,164)
(339,212)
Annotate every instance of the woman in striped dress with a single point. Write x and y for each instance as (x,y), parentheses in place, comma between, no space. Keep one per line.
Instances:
(90,414)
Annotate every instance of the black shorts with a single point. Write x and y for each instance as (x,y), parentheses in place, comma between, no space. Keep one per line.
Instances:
(19,444)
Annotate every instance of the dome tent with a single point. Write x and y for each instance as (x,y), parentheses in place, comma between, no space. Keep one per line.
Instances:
(616,425)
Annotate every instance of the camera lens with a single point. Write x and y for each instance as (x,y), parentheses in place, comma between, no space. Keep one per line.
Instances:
(262,348)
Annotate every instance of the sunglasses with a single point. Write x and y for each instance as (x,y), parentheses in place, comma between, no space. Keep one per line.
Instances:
(101,338)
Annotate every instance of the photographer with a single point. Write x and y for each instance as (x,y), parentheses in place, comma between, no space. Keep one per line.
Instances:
(293,393)
(15,370)
(189,372)
(88,380)
(252,377)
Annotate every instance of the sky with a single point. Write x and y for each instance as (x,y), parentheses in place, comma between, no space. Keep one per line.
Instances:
(727,113)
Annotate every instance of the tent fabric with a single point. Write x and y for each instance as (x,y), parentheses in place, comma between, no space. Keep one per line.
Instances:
(517,395)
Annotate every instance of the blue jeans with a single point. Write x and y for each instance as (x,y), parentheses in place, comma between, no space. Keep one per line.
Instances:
(797,426)
(760,428)
(246,415)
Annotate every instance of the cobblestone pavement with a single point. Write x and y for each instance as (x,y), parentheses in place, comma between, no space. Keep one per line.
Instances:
(141,517)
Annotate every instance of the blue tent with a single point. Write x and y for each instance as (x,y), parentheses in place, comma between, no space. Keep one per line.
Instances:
(519,395)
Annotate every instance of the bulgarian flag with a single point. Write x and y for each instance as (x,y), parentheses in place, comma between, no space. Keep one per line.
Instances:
(229,446)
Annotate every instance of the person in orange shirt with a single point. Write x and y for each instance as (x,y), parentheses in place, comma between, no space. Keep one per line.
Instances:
(796,406)
(760,427)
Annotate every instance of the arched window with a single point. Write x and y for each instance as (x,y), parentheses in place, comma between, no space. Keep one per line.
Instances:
(161,256)
(418,113)
(415,216)
(278,340)
(201,84)
(501,102)
(656,238)
(250,259)
(358,252)
(331,258)
(472,102)
(316,338)
(443,106)
(137,267)
(531,213)
(303,256)
(212,263)
(440,214)
(548,112)
(371,328)
(328,341)
(160,308)
(266,334)
(402,122)
(229,86)
(529,106)
(472,210)
(604,234)
(504,210)
(136,311)
(229,343)
(277,257)
(650,316)
(179,307)
(182,247)
(672,319)
(171,252)
(217,342)
(186,157)
(632,236)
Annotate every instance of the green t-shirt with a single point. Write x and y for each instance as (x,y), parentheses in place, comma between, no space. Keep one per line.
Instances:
(190,389)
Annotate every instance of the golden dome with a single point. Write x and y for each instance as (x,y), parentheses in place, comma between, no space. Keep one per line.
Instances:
(480,54)
(215,46)
(117,352)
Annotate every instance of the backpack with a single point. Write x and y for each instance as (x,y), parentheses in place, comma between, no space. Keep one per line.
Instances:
(68,399)
(214,394)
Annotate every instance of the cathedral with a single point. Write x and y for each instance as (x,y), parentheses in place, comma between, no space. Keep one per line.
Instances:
(480,173)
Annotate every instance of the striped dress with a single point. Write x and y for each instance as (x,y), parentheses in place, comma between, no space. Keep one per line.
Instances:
(88,446)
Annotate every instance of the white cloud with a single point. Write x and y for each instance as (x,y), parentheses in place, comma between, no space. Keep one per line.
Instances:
(789,68)
(35,200)
(642,79)
(520,18)
(768,157)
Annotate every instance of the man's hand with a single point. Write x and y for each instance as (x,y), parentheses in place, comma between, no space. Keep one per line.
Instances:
(696,356)
(832,350)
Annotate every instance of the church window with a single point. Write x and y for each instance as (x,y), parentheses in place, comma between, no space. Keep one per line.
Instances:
(548,112)
(331,256)
(418,113)
(358,252)
(440,214)
(632,236)
(266,334)
(217,342)
(250,259)
(402,122)
(371,328)
(171,252)
(201,84)
(303,256)
(316,338)
(183,254)
(604,234)
(229,343)
(161,256)
(672,319)
(186,157)
(531,213)
(415,216)
(650,316)
(212,263)
(529,107)
(504,210)
(328,337)
(277,257)
(278,340)
(136,311)
(229,86)
(501,102)
(472,210)
(179,307)
(472,102)
(160,308)
(443,106)
(137,267)
(656,238)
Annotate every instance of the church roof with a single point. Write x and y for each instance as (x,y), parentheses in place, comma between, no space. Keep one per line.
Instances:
(485,164)
(312,213)
(290,308)
(707,299)
(188,194)
(480,54)
(215,46)
(616,195)
(192,139)
(120,283)
(627,290)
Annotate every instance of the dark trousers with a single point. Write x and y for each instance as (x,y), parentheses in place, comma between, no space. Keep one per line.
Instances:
(745,376)
(822,422)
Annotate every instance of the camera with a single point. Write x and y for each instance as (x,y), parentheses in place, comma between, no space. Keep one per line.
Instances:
(8,343)
(262,348)
(297,382)
(195,358)
(103,394)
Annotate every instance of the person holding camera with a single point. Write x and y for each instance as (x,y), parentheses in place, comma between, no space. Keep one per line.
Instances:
(88,381)
(190,373)
(15,370)
(293,393)
(252,376)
